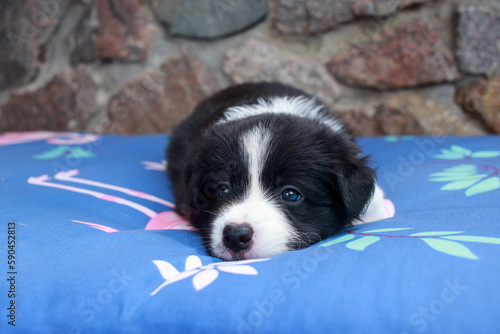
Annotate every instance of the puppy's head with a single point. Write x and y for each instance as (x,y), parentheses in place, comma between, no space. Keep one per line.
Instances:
(268,184)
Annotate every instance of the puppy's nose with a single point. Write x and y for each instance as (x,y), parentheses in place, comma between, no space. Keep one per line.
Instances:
(237,237)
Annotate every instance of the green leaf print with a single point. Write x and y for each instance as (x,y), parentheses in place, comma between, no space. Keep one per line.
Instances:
(53,153)
(489,184)
(450,247)
(361,244)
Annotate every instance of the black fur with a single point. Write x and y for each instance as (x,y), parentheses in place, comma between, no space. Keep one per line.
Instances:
(327,167)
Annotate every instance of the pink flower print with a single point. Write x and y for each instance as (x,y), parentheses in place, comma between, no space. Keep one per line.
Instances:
(57,138)
(158,221)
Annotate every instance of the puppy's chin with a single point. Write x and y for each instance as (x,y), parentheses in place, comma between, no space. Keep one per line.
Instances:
(229,255)
(250,253)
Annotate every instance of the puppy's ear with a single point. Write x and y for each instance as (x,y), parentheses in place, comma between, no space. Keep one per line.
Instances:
(356,183)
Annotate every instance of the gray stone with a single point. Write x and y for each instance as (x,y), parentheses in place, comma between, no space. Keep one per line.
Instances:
(410,113)
(360,122)
(481,99)
(397,121)
(409,55)
(25,29)
(113,30)
(257,61)
(159,99)
(478,40)
(414,114)
(65,103)
(208,19)
(316,16)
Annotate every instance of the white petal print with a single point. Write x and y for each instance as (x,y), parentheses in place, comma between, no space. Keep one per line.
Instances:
(176,278)
(204,275)
(166,269)
(193,262)
(242,270)
(204,278)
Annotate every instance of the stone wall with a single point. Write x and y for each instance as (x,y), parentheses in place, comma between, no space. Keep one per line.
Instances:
(140,66)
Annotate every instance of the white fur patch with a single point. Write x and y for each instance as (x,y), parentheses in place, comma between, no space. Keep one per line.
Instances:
(272,231)
(298,106)
(375,209)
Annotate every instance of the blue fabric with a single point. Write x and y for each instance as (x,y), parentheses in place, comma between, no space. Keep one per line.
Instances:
(90,257)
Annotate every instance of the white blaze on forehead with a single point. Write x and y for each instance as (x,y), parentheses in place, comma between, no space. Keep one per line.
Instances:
(298,106)
(256,144)
(272,231)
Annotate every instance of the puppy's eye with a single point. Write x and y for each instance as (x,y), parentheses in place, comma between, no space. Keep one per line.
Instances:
(291,195)
(223,190)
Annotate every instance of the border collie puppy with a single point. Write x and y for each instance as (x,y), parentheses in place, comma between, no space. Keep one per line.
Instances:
(263,168)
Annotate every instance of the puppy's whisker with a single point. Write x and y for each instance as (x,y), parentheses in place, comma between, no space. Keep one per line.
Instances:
(210,212)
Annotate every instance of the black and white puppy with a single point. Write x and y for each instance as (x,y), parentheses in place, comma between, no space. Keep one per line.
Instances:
(264,168)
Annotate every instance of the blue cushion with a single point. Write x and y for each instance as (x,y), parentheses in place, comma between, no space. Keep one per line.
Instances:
(98,247)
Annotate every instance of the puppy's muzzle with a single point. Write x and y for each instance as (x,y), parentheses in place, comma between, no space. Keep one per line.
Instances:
(237,237)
